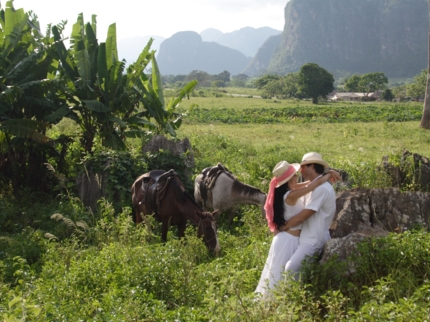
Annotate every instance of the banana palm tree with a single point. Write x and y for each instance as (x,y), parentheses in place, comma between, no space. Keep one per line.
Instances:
(105,100)
(27,103)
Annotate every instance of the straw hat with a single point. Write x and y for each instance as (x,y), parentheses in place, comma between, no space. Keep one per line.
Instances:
(285,171)
(313,157)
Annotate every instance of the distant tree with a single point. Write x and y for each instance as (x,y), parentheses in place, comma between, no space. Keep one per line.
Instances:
(217,83)
(273,88)
(387,95)
(315,81)
(202,78)
(290,85)
(178,78)
(264,80)
(399,92)
(224,76)
(425,119)
(237,82)
(366,83)
(351,84)
(372,82)
(417,88)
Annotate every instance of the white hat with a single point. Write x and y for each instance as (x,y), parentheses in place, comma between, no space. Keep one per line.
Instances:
(313,157)
(284,171)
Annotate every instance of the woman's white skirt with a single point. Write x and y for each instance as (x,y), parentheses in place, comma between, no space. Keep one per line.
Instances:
(282,248)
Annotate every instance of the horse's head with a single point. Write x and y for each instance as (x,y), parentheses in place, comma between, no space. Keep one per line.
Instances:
(208,229)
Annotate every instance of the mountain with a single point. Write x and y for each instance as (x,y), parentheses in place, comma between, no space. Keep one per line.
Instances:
(247,40)
(350,36)
(131,47)
(211,34)
(261,60)
(185,51)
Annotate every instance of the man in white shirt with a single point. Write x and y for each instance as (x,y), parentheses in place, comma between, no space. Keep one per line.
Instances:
(317,215)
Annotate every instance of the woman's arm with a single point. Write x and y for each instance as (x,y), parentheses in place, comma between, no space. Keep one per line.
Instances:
(294,195)
(301,185)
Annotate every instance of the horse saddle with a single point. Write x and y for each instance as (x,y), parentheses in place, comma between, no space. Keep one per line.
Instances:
(209,178)
(154,186)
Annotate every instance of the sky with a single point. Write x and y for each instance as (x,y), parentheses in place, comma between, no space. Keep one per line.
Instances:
(159,17)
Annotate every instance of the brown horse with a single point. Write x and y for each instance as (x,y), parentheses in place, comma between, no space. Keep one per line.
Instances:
(162,194)
(216,187)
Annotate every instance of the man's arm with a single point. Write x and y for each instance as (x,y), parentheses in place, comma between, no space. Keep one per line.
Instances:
(298,219)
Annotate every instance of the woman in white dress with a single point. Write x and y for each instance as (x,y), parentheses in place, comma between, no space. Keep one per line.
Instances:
(282,203)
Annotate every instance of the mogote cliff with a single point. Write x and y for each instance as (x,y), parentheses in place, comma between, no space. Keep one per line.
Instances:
(349,36)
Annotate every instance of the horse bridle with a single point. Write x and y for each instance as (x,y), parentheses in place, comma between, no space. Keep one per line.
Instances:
(204,235)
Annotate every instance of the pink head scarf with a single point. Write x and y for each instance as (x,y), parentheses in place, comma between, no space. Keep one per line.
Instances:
(268,206)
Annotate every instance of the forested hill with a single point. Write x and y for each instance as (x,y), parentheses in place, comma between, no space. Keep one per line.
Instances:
(352,36)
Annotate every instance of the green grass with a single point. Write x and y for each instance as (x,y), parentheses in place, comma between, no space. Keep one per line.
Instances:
(364,141)
(104,268)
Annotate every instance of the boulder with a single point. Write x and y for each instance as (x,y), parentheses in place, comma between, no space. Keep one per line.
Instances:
(369,213)
(389,209)
(178,148)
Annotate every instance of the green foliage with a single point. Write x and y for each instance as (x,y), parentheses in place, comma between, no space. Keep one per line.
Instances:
(266,79)
(314,81)
(334,113)
(121,169)
(28,101)
(387,95)
(366,83)
(417,88)
(165,160)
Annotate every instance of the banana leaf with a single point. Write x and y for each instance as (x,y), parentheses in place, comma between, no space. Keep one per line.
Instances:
(26,129)
(117,120)
(92,46)
(96,106)
(13,38)
(82,61)
(111,47)
(102,67)
(136,133)
(57,115)
(185,91)
(136,120)
(114,141)
(136,69)
(94,24)
(63,54)
(13,17)
(157,83)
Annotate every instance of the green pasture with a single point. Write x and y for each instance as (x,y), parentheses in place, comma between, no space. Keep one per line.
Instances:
(353,141)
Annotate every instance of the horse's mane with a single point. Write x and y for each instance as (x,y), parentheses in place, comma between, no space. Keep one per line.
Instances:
(240,188)
(179,192)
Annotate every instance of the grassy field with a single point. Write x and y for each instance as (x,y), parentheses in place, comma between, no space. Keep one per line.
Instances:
(100,266)
(368,141)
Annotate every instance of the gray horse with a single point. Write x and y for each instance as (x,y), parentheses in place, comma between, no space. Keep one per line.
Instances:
(217,188)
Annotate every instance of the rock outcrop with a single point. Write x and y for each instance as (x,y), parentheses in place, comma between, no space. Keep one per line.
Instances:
(367,213)
(353,36)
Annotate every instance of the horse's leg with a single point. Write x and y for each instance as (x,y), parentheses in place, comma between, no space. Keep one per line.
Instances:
(181,229)
(231,212)
(164,229)
(138,217)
